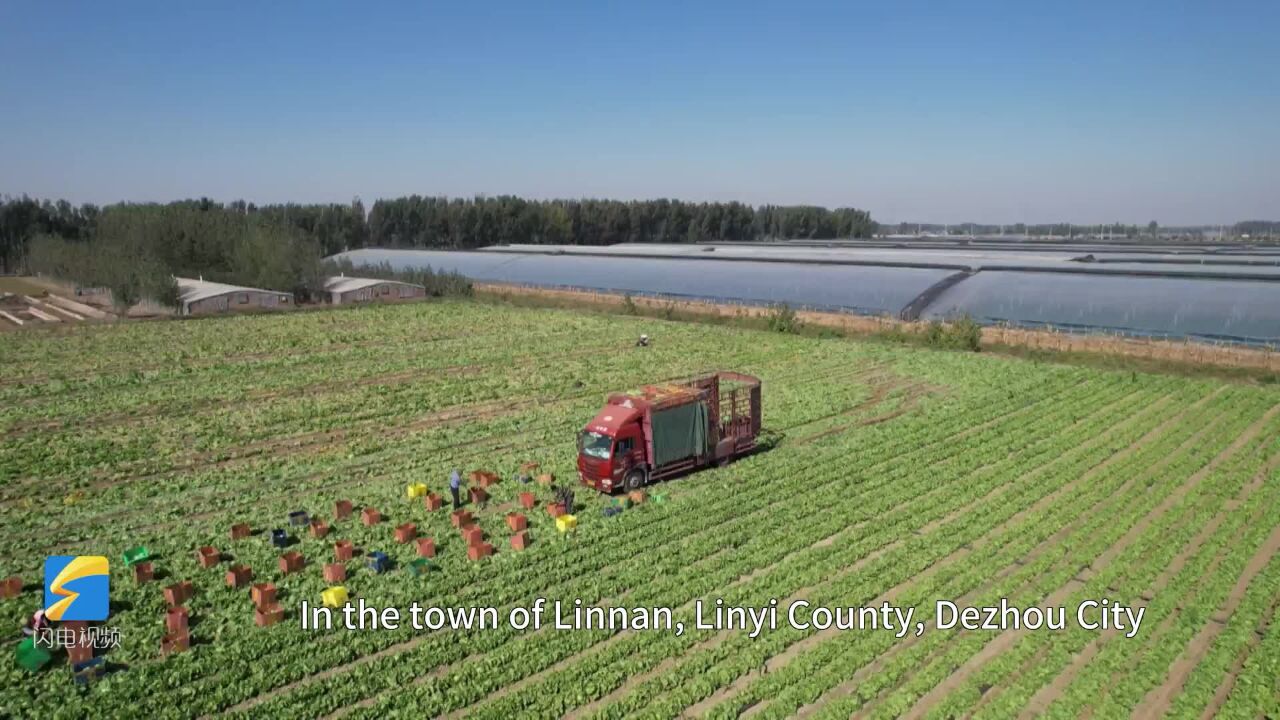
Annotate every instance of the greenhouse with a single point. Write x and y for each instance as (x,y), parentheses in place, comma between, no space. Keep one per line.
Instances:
(1210,296)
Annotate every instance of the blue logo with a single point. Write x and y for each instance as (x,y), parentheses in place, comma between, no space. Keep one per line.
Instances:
(76,587)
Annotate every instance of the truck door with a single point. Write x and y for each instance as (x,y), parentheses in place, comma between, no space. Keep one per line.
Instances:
(623,457)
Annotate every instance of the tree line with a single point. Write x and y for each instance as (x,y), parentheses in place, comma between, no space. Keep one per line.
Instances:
(436,222)
(137,249)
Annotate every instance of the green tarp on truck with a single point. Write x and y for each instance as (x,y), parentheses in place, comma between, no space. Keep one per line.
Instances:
(679,432)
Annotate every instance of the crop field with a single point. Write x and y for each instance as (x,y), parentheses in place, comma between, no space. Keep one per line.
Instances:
(895,474)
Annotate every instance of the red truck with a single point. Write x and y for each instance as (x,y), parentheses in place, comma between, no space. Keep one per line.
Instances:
(668,429)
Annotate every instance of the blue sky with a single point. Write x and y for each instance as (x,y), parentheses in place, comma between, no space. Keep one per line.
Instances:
(947,111)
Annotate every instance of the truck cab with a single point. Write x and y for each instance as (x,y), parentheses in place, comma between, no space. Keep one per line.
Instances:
(610,448)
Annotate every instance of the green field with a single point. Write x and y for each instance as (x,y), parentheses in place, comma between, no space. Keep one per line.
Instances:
(898,474)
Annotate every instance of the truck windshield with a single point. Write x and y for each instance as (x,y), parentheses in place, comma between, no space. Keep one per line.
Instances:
(595,445)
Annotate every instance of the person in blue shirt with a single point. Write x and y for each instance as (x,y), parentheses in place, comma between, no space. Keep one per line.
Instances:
(455,484)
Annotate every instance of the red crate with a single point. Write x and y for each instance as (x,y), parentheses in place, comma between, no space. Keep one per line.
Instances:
(478,495)
(433,502)
(555,510)
(291,562)
(369,516)
(262,594)
(175,619)
(143,572)
(479,550)
(426,547)
(319,529)
(406,533)
(527,500)
(520,541)
(11,587)
(517,522)
(239,576)
(335,572)
(268,614)
(342,509)
(459,518)
(344,550)
(178,593)
(175,642)
(208,556)
(240,531)
(472,534)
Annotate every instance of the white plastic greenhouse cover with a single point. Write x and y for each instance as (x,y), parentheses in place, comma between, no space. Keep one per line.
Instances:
(1087,297)
(865,290)
(1237,311)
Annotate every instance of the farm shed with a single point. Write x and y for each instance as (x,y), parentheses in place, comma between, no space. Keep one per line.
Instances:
(200,297)
(342,290)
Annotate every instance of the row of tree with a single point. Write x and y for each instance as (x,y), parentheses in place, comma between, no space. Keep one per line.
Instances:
(436,222)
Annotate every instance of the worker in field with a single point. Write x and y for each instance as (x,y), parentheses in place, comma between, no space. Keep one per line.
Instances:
(455,486)
(564,497)
(36,624)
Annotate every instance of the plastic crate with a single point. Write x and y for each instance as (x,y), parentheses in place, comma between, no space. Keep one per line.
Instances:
(136,555)
(32,657)
(378,562)
(335,596)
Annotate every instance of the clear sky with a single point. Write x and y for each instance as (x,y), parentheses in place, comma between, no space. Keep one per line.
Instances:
(932,111)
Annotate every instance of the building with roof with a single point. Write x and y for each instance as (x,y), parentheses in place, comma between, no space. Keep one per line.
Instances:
(201,297)
(343,290)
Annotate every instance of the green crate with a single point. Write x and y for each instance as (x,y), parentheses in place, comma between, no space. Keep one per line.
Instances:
(421,566)
(136,555)
(32,657)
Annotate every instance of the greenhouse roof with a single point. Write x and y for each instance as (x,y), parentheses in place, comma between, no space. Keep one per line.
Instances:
(1151,294)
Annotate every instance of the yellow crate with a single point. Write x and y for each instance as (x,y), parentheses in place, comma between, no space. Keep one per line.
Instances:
(415,490)
(565,523)
(335,596)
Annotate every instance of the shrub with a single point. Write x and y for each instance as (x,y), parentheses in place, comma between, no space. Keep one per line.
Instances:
(962,334)
(783,319)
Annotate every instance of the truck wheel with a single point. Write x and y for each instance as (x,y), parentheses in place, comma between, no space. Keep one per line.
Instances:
(634,480)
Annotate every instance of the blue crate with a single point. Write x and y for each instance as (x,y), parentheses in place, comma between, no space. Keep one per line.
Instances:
(298,518)
(90,669)
(379,562)
(279,538)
